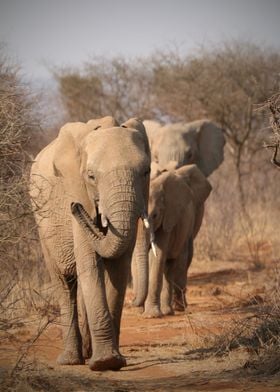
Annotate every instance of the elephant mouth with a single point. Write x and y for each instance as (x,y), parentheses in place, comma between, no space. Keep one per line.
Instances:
(93,225)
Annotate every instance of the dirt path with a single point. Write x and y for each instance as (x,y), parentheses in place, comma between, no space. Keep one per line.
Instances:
(162,354)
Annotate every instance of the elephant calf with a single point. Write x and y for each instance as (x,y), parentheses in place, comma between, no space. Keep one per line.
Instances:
(176,207)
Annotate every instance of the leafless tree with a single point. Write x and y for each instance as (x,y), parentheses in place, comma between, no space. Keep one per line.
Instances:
(117,86)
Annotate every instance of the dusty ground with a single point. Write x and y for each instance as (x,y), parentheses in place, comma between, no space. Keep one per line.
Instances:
(163,354)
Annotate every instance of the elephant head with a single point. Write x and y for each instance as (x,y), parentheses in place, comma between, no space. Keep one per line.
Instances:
(171,191)
(105,168)
(199,142)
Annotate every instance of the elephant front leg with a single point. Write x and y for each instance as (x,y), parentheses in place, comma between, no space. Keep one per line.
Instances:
(72,354)
(156,269)
(116,277)
(104,342)
(105,354)
(166,297)
(180,277)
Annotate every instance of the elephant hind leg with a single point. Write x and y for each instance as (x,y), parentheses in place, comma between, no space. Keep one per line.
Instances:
(167,289)
(72,354)
(179,299)
(180,277)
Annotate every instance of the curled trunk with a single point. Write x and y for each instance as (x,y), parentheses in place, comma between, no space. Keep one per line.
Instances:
(123,209)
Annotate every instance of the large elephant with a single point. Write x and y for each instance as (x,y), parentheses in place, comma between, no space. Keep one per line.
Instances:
(176,207)
(200,142)
(88,188)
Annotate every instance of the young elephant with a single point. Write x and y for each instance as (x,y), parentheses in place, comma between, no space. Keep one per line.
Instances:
(88,189)
(176,206)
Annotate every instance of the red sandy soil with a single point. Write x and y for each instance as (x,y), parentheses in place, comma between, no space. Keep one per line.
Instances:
(162,354)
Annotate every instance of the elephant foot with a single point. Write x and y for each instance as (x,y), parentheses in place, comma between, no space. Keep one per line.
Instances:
(113,362)
(152,312)
(167,310)
(137,303)
(70,358)
(180,306)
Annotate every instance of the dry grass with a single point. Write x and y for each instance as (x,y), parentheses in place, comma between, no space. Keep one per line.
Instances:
(258,332)
(232,232)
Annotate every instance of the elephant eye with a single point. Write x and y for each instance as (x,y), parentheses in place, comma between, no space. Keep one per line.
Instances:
(91,176)
(188,154)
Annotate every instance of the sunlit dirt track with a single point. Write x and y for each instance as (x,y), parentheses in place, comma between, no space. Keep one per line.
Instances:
(165,354)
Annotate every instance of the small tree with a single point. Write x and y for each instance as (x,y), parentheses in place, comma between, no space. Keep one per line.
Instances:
(17,129)
(117,87)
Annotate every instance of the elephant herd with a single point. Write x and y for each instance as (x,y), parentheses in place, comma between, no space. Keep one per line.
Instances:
(109,198)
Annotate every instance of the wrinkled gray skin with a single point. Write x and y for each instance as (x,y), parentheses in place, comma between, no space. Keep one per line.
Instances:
(88,188)
(176,207)
(172,146)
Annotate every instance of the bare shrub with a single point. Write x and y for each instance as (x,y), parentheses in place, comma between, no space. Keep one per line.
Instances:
(258,333)
(116,86)
(22,270)
(17,128)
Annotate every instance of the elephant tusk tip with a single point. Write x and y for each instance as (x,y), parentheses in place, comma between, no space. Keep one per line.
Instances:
(104,221)
(154,249)
(146,223)
(145,220)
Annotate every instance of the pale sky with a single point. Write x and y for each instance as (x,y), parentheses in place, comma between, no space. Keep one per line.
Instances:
(69,32)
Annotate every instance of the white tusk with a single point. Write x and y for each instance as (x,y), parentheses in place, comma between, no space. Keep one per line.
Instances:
(104,221)
(152,234)
(146,220)
(146,223)
(154,248)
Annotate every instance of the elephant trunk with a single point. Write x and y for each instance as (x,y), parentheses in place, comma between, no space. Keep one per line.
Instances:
(121,202)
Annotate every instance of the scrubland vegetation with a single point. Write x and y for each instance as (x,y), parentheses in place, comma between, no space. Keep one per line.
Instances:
(236,85)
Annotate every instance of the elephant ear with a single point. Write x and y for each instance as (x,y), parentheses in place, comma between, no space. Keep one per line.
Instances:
(211,143)
(153,130)
(156,170)
(67,155)
(197,181)
(136,123)
(177,195)
(66,160)
(103,123)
